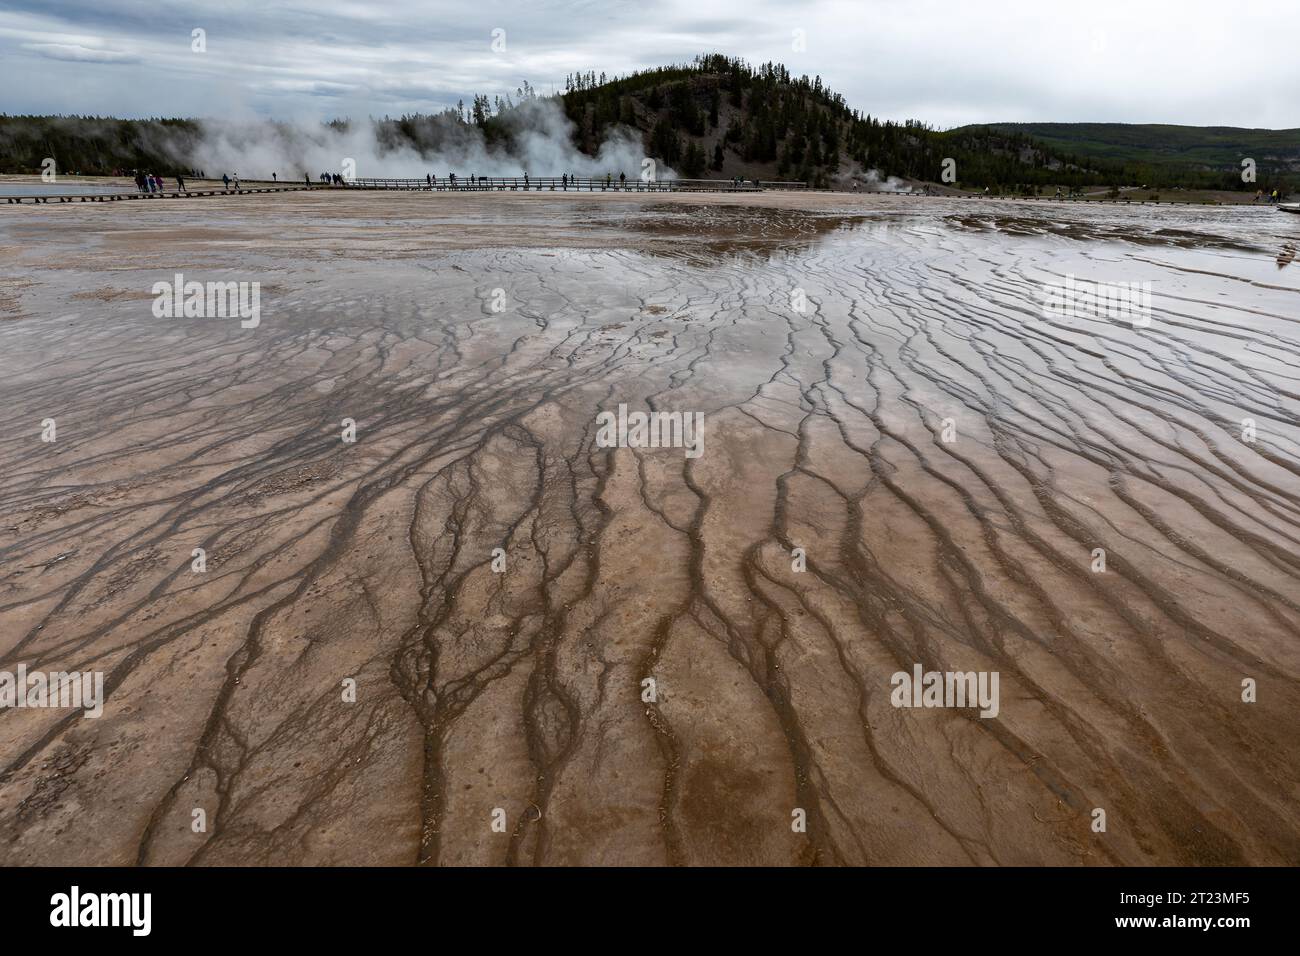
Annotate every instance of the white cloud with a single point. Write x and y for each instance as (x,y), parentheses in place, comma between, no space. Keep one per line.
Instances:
(80,54)
(943,61)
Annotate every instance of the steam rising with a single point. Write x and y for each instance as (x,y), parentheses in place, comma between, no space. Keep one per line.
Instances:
(534,137)
(889,184)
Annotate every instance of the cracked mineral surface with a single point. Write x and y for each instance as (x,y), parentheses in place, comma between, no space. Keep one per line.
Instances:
(473,635)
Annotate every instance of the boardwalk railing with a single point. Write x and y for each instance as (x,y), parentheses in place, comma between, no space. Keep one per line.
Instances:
(562,184)
(442,184)
(187,193)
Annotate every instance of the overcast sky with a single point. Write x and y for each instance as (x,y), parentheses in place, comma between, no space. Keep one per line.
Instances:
(947,63)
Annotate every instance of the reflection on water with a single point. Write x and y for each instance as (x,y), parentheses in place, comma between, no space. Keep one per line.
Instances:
(722,229)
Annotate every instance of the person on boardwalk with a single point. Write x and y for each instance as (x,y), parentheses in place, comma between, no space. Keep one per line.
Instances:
(622,180)
(273,179)
(180,183)
(225,180)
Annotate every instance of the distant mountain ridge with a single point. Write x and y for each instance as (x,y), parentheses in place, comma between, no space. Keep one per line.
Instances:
(1207,148)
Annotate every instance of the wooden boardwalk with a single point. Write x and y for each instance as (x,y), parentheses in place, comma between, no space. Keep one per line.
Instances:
(588,185)
(164,194)
(430,184)
(561,184)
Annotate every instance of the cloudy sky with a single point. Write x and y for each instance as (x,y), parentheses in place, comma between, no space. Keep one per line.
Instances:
(1201,62)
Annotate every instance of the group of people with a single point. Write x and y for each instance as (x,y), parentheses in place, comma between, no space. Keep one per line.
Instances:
(566,180)
(1271,199)
(149,183)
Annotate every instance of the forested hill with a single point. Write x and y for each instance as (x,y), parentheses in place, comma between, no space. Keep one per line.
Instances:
(96,145)
(720,116)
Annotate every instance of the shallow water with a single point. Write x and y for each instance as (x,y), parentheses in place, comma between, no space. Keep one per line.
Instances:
(58,189)
(834,345)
